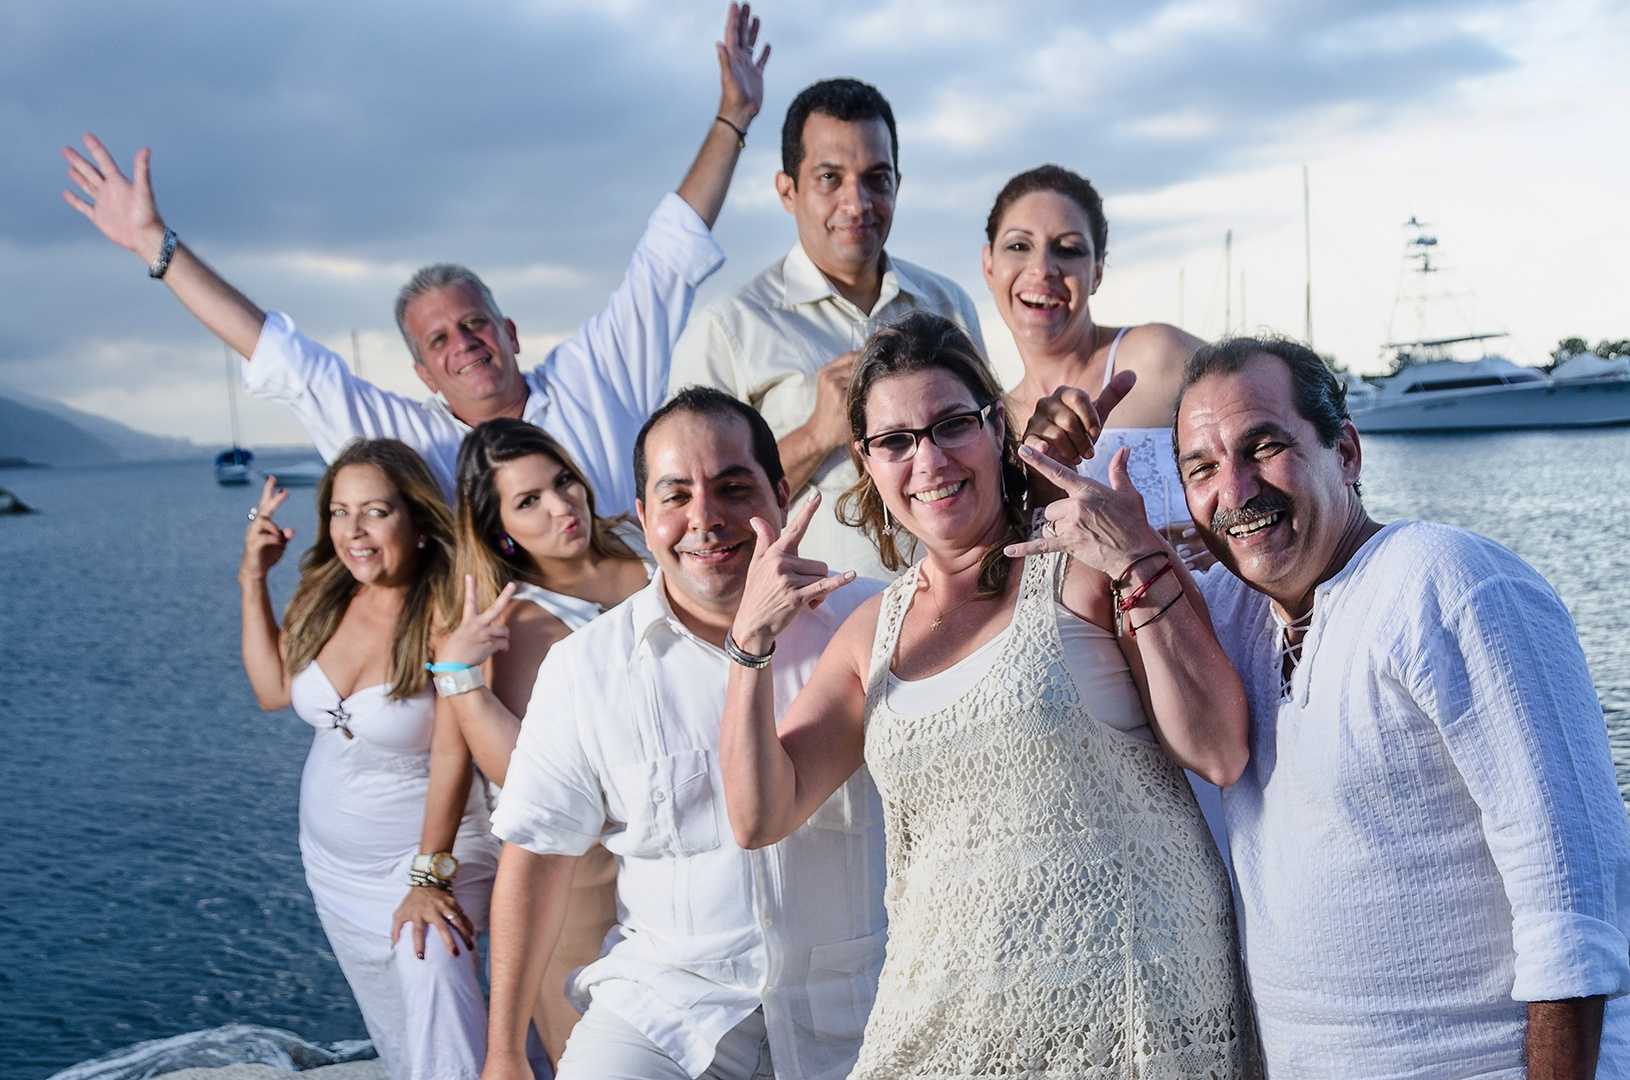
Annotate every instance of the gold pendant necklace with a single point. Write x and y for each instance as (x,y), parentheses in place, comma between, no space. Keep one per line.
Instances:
(935,625)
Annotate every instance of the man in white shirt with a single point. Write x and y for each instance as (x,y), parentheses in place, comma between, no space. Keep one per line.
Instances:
(591,392)
(1432,856)
(786,341)
(726,963)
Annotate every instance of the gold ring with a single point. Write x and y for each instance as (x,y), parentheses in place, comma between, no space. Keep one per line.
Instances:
(1050,528)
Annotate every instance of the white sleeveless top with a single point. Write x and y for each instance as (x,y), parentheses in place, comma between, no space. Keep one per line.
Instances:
(575,612)
(1150,463)
(1056,906)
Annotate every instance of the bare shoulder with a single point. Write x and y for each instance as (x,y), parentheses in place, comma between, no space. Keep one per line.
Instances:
(854,637)
(1158,349)
(532,625)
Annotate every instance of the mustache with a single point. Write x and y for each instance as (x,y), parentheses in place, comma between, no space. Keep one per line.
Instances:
(1261,505)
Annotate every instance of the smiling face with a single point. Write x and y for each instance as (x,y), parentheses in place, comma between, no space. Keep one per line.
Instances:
(704,487)
(844,198)
(372,531)
(1041,269)
(543,508)
(1269,500)
(466,354)
(950,499)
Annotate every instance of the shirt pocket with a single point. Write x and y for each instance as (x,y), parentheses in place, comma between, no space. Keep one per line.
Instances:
(671,805)
(842,981)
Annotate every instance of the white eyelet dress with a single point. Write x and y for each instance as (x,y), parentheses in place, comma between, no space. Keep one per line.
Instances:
(1056,906)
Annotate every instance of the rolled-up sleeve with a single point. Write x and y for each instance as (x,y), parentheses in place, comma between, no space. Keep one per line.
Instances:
(1506,682)
(552,801)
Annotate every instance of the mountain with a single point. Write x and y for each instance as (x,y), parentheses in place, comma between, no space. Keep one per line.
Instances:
(40,437)
(125,444)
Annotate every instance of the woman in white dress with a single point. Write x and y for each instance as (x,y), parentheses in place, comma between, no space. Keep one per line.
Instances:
(527,531)
(1055,905)
(350,658)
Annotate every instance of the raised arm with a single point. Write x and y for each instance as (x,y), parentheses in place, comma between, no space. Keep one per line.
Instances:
(1196,703)
(123,210)
(774,781)
(741,95)
(263,546)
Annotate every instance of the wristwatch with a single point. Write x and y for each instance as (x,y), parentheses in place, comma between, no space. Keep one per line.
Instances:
(436,871)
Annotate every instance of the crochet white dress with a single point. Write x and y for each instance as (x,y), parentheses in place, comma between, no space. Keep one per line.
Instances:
(1056,905)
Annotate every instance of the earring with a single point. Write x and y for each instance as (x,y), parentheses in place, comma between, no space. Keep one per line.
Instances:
(505,544)
(888,522)
(421,543)
(1003,474)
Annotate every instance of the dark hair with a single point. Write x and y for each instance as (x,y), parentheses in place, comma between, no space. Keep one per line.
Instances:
(841,99)
(479,520)
(1320,397)
(708,401)
(922,341)
(1072,185)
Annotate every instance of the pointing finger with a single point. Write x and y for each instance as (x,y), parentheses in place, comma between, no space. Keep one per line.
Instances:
(1119,478)
(1063,477)
(471,611)
(1118,388)
(813,594)
(499,604)
(765,534)
(793,534)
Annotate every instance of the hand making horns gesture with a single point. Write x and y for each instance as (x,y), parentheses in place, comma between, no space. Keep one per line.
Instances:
(1066,423)
(780,583)
(479,634)
(1104,527)
(265,542)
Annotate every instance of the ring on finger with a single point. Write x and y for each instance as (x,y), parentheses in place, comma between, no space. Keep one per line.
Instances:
(1050,528)
(254,512)
(450,916)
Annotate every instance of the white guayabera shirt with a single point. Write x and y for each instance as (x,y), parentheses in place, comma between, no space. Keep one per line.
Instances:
(766,342)
(621,745)
(1428,835)
(592,392)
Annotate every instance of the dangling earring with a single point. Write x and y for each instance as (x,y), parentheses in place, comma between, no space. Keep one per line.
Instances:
(421,543)
(888,522)
(505,544)
(1003,474)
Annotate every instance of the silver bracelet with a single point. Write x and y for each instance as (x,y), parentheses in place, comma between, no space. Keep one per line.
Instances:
(747,659)
(459,682)
(165,252)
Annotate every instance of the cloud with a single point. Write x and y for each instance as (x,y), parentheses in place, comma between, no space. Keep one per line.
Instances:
(316,152)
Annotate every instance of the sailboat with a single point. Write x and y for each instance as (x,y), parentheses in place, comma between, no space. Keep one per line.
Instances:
(232,466)
(1431,389)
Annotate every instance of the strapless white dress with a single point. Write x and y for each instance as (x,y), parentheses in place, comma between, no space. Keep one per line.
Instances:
(362,798)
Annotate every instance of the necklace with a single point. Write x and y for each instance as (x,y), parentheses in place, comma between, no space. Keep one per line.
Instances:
(935,625)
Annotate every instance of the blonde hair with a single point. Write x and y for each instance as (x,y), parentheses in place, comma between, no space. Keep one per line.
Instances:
(479,520)
(326,586)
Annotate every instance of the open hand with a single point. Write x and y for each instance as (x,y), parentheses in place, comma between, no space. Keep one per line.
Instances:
(1066,423)
(121,208)
(265,542)
(425,907)
(1104,527)
(479,634)
(741,79)
(780,583)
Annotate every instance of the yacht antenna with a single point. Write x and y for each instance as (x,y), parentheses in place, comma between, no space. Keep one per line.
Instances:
(1307,247)
(1228,281)
(232,395)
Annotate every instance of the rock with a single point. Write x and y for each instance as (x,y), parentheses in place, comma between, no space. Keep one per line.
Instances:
(11,504)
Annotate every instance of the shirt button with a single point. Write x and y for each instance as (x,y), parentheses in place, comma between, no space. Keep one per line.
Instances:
(768,923)
(659,795)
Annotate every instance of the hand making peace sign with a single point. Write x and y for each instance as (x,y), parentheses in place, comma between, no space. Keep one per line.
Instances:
(479,633)
(265,542)
(780,583)
(1104,527)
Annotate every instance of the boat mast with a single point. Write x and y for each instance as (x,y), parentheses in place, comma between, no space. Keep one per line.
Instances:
(232,396)
(1228,281)
(356,356)
(1179,297)
(1307,248)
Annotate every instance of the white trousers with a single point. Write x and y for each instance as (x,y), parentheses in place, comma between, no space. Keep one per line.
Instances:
(604,1046)
(427,1017)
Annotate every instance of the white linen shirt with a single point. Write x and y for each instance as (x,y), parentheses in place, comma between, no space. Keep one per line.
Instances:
(766,342)
(592,392)
(621,745)
(1428,835)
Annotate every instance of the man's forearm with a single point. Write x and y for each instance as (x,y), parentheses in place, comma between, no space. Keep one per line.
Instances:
(801,454)
(528,909)
(1564,1038)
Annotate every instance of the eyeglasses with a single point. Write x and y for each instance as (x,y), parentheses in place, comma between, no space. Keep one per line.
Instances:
(957,430)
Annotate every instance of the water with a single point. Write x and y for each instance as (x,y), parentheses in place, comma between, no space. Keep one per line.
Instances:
(148,807)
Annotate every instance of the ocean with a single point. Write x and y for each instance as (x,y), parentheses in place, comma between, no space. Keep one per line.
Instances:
(149,807)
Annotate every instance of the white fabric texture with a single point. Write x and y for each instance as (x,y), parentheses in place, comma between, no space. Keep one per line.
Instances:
(623,728)
(1091,653)
(1428,834)
(361,808)
(766,342)
(591,392)
(604,1046)
(574,611)
(1056,906)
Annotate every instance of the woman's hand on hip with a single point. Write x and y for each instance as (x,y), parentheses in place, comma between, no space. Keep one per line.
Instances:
(780,583)
(425,907)
(264,543)
(479,634)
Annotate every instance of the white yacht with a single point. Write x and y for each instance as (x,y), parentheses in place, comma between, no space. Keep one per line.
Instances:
(1432,390)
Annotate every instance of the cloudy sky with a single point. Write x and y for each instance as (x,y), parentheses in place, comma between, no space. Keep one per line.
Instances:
(316,152)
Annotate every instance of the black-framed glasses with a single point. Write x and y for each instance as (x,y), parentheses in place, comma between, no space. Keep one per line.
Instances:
(956,430)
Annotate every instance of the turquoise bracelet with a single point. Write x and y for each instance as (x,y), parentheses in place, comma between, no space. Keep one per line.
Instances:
(444,666)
